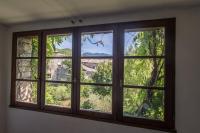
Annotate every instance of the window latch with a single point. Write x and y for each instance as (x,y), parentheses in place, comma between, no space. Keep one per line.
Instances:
(121,83)
(74,80)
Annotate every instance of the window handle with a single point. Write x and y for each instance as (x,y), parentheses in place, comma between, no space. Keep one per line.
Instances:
(121,83)
(74,80)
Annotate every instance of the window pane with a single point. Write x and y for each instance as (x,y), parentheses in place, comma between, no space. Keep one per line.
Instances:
(27,46)
(59,69)
(96,98)
(96,70)
(58,94)
(27,69)
(148,42)
(26,91)
(144,72)
(97,44)
(140,103)
(59,45)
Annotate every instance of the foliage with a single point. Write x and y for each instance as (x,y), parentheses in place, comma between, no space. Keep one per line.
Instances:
(147,43)
(52,41)
(103,74)
(34,92)
(145,72)
(93,94)
(87,105)
(93,101)
(58,94)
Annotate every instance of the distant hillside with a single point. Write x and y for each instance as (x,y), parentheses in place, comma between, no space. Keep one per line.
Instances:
(66,51)
(95,54)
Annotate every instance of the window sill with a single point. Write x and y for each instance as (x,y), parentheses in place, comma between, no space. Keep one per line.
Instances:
(96,119)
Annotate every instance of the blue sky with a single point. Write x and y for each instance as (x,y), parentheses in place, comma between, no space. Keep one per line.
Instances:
(67,43)
(107,39)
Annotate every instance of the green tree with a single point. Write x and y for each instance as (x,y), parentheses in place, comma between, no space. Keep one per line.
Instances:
(103,74)
(148,103)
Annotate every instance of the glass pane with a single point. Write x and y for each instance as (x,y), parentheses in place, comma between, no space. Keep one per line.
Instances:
(58,94)
(96,98)
(59,45)
(59,69)
(140,103)
(27,69)
(96,70)
(144,72)
(97,44)
(27,46)
(150,42)
(26,91)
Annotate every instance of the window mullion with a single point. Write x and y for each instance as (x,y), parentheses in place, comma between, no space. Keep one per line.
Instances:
(115,75)
(39,70)
(120,48)
(13,83)
(42,70)
(75,70)
(78,66)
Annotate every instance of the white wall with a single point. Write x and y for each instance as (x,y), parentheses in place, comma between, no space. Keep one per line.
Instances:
(187,78)
(2,89)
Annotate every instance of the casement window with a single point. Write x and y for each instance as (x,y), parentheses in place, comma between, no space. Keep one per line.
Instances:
(121,73)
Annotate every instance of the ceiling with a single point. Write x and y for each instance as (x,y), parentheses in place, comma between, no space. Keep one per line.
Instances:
(19,11)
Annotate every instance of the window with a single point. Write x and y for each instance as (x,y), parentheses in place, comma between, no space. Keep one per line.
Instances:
(26,72)
(58,64)
(121,73)
(96,71)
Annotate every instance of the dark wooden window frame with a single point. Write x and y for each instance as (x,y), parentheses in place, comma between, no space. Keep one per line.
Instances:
(117,70)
